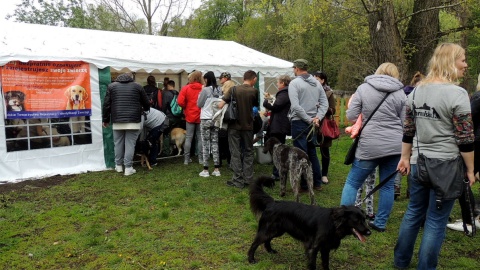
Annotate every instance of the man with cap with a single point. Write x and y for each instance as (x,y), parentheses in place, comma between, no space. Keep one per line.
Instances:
(308,107)
(226,82)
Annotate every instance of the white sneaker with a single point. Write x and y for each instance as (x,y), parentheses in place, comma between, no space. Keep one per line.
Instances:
(204,174)
(477,222)
(458,225)
(118,168)
(129,171)
(216,173)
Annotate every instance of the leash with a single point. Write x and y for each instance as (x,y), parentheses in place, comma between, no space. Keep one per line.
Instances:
(467,191)
(310,126)
(377,187)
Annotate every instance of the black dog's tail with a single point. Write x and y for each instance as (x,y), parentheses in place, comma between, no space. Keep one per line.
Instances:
(259,199)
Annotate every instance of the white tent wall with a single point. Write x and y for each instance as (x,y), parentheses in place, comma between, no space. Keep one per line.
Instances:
(39,163)
(120,52)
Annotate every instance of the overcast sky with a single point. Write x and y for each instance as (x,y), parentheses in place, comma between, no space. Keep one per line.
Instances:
(8,6)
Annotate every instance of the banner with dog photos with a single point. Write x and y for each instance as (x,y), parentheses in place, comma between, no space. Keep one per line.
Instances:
(46,89)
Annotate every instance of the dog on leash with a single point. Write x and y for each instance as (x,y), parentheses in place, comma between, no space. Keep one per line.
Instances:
(319,229)
(291,162)
(177,137)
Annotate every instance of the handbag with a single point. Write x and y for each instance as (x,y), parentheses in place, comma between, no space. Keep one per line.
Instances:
(445,177)
(329,129)
(350,156)
(231,113)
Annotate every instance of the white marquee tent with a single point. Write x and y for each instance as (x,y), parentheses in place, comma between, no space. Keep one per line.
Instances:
(117,52)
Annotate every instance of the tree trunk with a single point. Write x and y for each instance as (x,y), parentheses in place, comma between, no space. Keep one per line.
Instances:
(386,39)
(422,36)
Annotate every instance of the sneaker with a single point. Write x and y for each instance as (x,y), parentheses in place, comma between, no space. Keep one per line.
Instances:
(458,225)
(216,173)
(188,160)
(129,171)
(375,227)
(231,184)
(118,168)
(324,179)
(318,188)
(204,174)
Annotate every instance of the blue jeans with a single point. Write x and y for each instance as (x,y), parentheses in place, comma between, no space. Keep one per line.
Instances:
(357,176)
(422,206)
(300,131)
(153,137)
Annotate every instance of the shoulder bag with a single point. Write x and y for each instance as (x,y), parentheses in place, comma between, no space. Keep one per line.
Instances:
(445,177)
(329,128)
(231,114)
(353,148)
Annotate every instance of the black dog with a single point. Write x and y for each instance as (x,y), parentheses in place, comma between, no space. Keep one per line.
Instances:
(320,229)
(142,148)
(293,162)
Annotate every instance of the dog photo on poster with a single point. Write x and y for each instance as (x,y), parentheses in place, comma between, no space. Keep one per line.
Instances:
(46,89)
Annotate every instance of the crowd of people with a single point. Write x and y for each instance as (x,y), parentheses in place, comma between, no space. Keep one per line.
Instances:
(432,115)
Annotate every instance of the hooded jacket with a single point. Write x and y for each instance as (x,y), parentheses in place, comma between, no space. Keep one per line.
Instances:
(382,136)
(307,99)
(125,101)
(187,99)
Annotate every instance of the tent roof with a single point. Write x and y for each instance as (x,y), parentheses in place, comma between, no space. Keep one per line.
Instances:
(135,52)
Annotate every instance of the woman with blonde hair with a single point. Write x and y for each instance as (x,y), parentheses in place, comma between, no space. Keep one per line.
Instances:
(380,140)
(187,99)
(442,128)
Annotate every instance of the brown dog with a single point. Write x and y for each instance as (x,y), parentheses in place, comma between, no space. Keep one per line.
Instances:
(76,97)
(177,137)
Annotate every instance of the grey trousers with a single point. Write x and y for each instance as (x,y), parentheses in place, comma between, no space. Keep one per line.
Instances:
(125,140)
(193,129)
(241,142)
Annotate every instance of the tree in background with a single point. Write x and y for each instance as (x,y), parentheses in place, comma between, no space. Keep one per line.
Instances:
(345,39)
(167,11)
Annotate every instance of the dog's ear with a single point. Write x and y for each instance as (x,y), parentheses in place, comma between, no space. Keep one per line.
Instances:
(68,92)
(85,94)
(338,216)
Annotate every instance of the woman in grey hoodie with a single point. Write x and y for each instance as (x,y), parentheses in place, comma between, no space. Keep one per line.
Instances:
(380,142)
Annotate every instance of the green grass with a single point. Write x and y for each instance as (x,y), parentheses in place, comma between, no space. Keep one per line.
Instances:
(170,218)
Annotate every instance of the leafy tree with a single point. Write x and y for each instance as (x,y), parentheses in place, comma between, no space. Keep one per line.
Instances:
(73,13)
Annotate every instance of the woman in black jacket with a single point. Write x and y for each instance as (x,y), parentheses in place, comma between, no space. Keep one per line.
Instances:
(279,123)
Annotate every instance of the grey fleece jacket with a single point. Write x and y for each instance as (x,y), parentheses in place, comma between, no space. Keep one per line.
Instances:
(307,99)
(382,136)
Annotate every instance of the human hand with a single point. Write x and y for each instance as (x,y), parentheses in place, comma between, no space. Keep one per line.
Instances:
(105,125)
(404,166)
(471,178)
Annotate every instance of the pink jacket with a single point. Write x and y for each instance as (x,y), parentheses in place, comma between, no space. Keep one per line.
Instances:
(353,129)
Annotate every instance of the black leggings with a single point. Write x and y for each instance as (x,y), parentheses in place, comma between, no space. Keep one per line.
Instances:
(325,153)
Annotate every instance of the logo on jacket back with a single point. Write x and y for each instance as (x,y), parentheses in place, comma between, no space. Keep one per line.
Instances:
(426,112)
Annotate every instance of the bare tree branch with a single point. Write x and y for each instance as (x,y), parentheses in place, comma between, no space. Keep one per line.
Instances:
(429,9)
(458,29)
